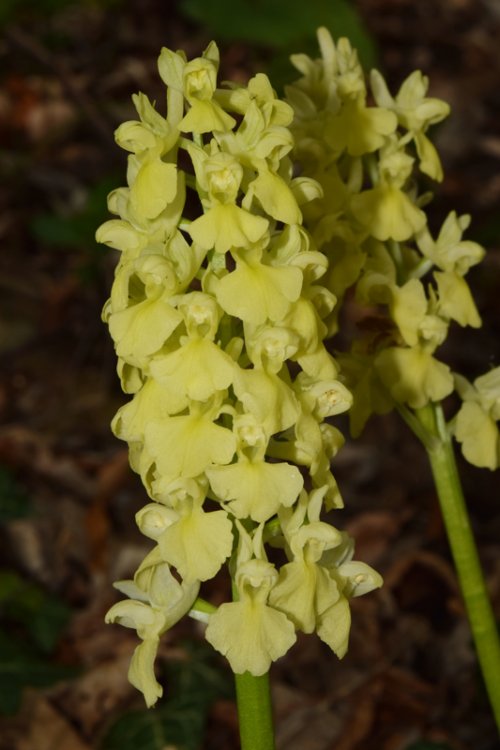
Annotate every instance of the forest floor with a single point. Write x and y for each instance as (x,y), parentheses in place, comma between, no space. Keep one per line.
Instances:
(67,496)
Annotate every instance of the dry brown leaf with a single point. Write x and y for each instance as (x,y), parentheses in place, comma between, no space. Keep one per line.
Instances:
(39,726)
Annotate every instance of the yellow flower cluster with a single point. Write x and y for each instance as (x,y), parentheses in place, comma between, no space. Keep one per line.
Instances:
(369,222)
(217,314)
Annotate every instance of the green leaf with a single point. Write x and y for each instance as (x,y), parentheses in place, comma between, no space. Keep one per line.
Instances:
(14,502)
(42,616)
(281,23)
(20,666)
(56,230)
(179,720)
(77,230)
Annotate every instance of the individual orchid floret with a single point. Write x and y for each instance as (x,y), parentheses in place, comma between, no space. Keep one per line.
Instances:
(449,252)
(151,170)
(416,112)
(359,129)
(412,312)
(197,80)
(157,601)
(257,144)
(134,235)
(198,367)
(195,542)
(336,85)
(151,133)
(268,347)
(294,246)
(224,224)
(385,210)
(353,579)
(186,445)
(145,322)
(253,487)
(312,445)
(379,275)
(319,364)
(250,632)
(305,321)
(154,186)
(258,92)
(317,87)
(315,446)
(324,398)
(305,589)
(313,589)
(219,174)
(413,376)
(455,300)
(476,424)
(256,291)
(274,196)
(151,402)
(350,75)
(268,397)
(145,277)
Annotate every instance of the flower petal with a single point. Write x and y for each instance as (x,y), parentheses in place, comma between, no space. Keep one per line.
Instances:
(198,544)
(227,226)
(197,370)
(184,446)
(334,626)
(388,213)
(255,293)
(142,329)
(256,489)
(414,376)
(251,635)
(479,436)
(154,187)
(141,673)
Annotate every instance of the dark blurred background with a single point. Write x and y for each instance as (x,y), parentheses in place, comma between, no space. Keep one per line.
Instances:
(67,497)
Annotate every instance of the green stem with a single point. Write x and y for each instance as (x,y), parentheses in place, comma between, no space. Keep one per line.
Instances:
(464,551)
(253,700)
(397,256)
(371,164)
(414,423)
(423,267)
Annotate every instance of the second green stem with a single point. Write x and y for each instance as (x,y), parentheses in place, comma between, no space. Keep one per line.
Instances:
(464,551)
